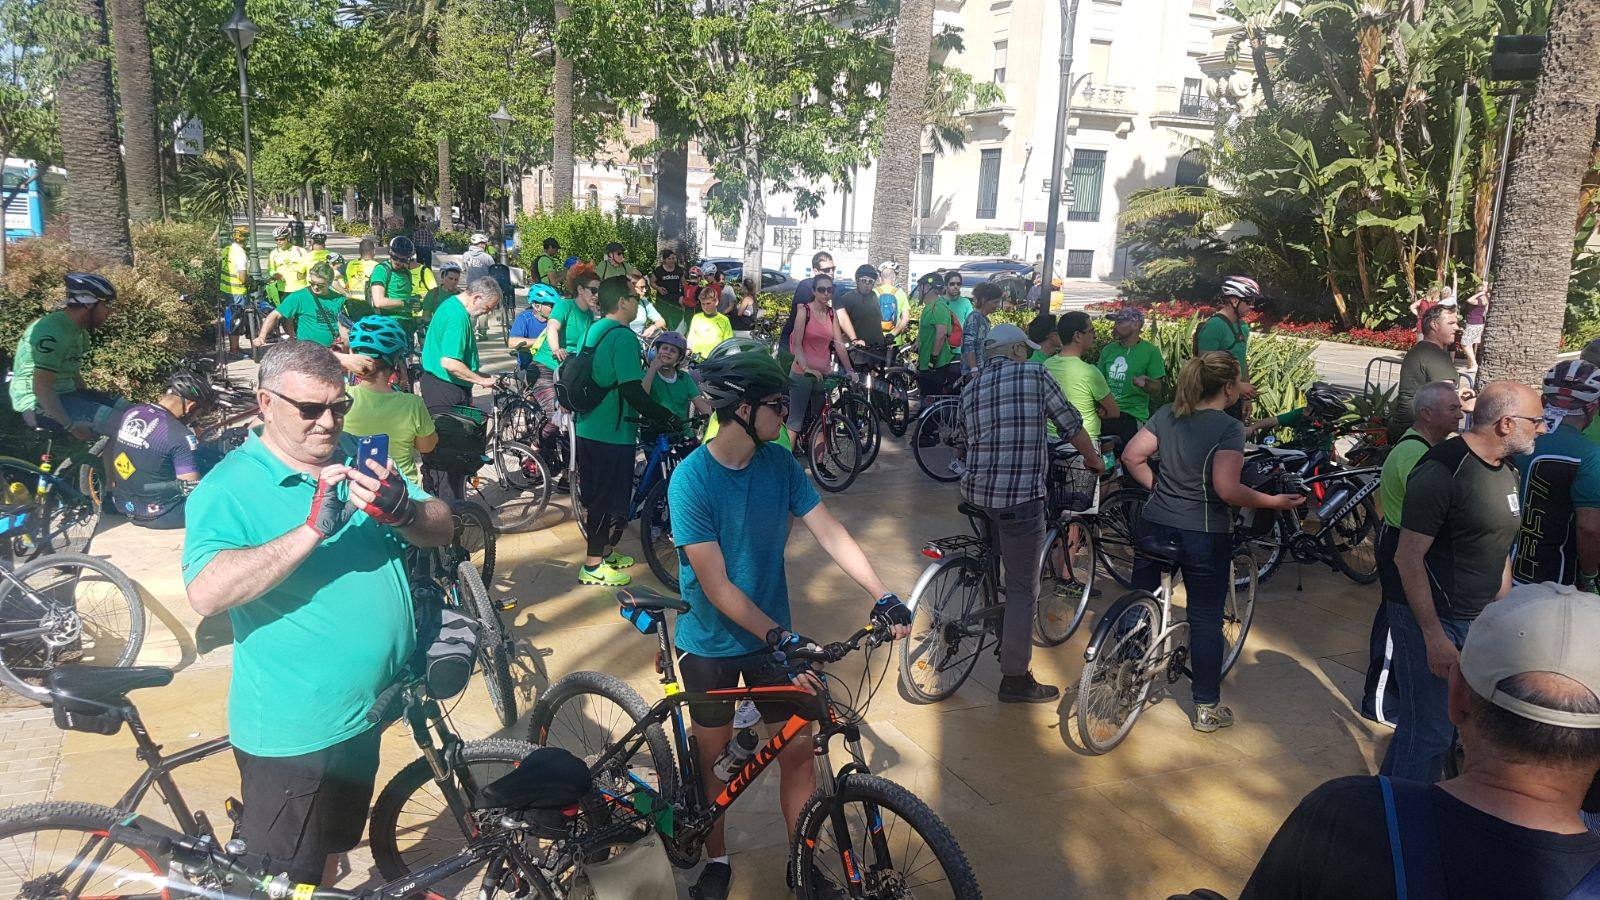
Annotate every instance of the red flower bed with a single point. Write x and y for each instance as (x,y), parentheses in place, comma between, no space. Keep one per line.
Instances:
(1395,338)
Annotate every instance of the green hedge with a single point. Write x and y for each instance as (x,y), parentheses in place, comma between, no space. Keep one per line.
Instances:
(451,241)
(352,228)
(584,233)
(983,243)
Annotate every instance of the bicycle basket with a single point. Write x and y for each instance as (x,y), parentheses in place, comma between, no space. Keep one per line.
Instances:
(463,441)
(1070,485)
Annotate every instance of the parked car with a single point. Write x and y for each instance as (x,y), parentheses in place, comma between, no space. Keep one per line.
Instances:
(772,280)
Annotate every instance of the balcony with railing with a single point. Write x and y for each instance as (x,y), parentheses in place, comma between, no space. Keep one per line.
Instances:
(1108,98)
(786,237)
(1189,106)
(827,239)
(933,242)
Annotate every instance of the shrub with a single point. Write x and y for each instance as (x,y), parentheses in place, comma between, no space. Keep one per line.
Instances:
(584,233)
(352,228)
(983,243)
(451,241)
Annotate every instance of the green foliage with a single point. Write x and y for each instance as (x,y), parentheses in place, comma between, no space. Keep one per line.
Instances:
(584,233)
(212,187)
(983,243)
(451,241)
(352,228)
(39,39)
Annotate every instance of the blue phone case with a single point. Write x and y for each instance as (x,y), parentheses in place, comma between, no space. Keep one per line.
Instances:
(375,446)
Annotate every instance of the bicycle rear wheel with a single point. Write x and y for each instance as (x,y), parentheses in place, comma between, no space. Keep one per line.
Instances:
(833,447)
(494,647)
(948,628)
(1114,686)
(1115,526)
(524,482)
(1065,584)
(883,834)
(655,536)
(64,849)
(868,435)
(931,440)
(899,385)
(91,612)
(1239,607)
(586,713)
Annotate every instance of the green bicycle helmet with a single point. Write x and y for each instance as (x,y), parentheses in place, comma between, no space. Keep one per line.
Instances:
(740,377)
(736,345)
(379,337)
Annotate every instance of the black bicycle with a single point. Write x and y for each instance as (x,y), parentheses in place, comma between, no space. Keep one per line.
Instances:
(447,575)
(65,608)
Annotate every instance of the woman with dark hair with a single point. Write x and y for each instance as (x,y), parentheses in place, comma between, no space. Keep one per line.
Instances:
(815,342)
(1191,509)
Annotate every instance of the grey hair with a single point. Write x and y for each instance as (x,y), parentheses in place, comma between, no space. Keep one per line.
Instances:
(1495,402)
(484,287)
(302,358)
(1525,740)
(1433,394)
(1591,352)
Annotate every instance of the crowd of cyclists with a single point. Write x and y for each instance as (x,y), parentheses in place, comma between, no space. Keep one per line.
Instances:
(609,356)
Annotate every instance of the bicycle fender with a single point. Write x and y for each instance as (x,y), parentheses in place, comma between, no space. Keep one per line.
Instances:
(927,576)
(1102,627)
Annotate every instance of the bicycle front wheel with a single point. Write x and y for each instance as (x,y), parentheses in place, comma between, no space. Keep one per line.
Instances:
(1115,526)
(898,387)
(475,537)
(1352,541)
(884,835)
(418,821)
(833,447)
(655,536)
(494,647)
(64,849)
(1239,606)
(524,482)
(1115,683)
(89,612)
(868,435)
(587,713)
(932,440)
(948,626)
(1065,583)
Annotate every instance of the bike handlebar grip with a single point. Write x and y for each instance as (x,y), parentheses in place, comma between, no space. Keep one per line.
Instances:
(138,839)
(383,706)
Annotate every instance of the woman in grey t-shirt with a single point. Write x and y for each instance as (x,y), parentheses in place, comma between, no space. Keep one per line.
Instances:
(1191,507)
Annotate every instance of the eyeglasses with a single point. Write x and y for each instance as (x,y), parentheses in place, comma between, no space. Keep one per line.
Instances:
(313,411)
(1536,420)
(779,406)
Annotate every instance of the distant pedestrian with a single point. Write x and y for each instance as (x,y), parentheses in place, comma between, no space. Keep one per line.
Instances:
(1428,360)
(1477,309)
(422,236)
(476,261)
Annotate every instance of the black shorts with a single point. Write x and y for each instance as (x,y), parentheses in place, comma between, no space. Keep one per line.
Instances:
(300,810)
(605,476)
(710,673)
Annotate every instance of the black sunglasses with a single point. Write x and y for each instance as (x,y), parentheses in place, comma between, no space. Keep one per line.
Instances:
(952,284)
(825,269)
(822,290)
(313,411)
(780,405)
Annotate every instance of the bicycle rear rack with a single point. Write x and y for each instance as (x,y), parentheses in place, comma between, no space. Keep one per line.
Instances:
(958,545)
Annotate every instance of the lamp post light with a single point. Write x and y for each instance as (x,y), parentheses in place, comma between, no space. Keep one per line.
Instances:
(242,33)
(1069,20)
(502,124)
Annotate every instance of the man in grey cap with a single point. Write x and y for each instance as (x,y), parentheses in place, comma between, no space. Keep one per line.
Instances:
(1002,428)
(1526,699)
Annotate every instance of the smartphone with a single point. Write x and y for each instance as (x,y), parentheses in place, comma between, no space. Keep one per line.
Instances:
(373,446)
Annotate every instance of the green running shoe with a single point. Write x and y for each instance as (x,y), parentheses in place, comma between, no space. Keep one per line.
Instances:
(618,561)
(603,575)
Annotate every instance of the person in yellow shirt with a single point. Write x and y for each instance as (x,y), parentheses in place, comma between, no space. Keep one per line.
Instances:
(356,274)
(709,327)
(235,278)
(288,265)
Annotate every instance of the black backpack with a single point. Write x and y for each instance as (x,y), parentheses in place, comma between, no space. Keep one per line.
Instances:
(576,389)
(463,442)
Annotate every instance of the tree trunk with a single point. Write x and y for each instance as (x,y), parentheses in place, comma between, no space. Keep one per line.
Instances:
(900,161)
(672,198)
(447,198)
(97,192)
(327,204)
(1258,60)
(350,202)
(136,91)
(1523,332)
(755,218)
(561,160)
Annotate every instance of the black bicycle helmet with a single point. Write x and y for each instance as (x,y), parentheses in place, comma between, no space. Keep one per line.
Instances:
(1326,401)
(742,376)
(87,289)
(401,248)
(190,386)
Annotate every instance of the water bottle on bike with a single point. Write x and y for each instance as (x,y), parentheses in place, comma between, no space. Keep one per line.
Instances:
(744,742)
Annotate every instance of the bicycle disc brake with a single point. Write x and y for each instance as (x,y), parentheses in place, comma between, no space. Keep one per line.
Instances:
(64,624)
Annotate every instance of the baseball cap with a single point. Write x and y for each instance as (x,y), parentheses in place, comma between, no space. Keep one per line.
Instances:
(1004,335)
(1127,314)
(1545,627)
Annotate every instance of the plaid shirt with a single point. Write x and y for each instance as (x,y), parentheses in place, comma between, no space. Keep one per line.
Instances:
(1003,412)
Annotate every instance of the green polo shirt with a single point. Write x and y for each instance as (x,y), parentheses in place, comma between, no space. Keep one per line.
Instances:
(311,655)
(451,336)
(615,362)
(54,343)
(315,319)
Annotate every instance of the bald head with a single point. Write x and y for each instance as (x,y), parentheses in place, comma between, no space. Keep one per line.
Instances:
(1502,399)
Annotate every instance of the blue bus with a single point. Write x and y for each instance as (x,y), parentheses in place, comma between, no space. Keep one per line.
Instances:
(22,193)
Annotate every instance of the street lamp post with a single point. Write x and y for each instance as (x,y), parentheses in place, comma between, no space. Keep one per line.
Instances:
(242,33)
(1069,20)
(502,124)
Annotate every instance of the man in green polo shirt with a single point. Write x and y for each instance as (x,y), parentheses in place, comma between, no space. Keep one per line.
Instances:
(450,366)
(312,313)
(46,375)
(306,555)
(391,290)
(607,441)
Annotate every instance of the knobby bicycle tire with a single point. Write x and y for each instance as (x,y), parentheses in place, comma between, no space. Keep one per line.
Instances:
(121,646)
(874,795)
(655,536)
(119,868)
(475,534)
(1357,529)
(952,591)
(1112,682)
(491,758)
(494,648)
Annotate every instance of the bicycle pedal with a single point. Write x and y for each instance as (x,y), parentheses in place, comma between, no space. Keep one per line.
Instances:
(507,605)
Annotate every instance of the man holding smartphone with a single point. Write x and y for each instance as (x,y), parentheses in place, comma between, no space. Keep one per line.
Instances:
(295,541)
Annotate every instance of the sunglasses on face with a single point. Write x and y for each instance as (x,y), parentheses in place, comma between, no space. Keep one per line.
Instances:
(779,406)
(823,290)
(952,284)
(311,412)
(825,269)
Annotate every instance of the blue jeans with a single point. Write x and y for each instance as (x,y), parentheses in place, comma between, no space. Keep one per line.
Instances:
(102,411)
(1422,733)
(1203,559)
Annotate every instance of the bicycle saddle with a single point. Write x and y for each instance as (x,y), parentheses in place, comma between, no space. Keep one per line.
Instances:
(547,778)
(93,688)
(976,512)
(644,598)
(1162,549)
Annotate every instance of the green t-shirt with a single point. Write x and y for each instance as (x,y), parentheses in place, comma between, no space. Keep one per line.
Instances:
(575,322)
(53,343)
(604,269)
(616,362)
(1397,468)
(547,268)
(1219,334)
(311,655)
(397,285)
(401,416)
(1038,356)
(1120,365)
(1084,386)
(431,301)
(960,307)
(451,336)
(1593,431)
(933,315)
(316,319)
(676,394)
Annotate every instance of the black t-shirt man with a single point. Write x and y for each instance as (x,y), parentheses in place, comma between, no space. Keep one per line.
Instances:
(670,284)
(865,316)
(1424,363)
(1335,846)
(1472,511)
(151,450)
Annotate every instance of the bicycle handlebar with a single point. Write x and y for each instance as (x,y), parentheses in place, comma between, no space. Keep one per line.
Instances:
(383,708)
(873,635)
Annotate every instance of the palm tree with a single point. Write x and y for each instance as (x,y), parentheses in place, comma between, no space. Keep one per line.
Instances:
(900,161)
(136,91)
(561,161)
(1523,331)
(97,191)
(1256,16)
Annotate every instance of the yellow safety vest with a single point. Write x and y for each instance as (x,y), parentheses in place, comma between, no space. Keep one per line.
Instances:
(422,281)
(234,261)
(356,274)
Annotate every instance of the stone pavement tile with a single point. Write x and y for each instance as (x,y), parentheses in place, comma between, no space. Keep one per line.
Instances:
(1355,660)
(1281,705)
(1302,631)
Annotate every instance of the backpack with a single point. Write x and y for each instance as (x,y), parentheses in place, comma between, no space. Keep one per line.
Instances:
(576,389)
(463,442)
(1194,339)
(372,275)
(888,308)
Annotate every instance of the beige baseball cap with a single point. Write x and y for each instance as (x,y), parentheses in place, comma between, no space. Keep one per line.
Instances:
(1537,628)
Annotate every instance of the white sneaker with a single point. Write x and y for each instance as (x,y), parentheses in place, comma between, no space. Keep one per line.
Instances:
(958,467)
